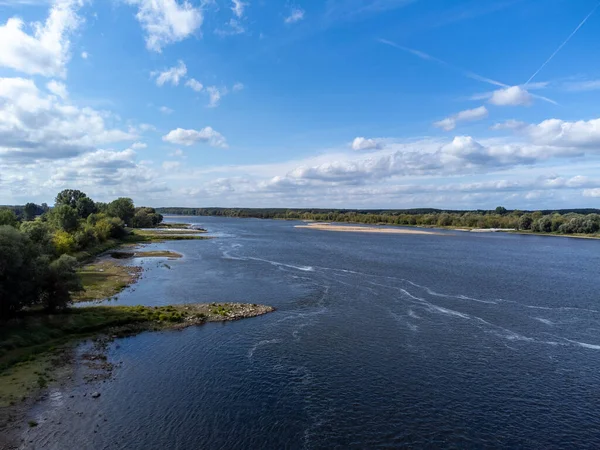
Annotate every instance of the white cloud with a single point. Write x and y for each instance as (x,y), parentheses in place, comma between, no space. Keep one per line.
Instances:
(194,84)
(57,88)
(361,143)
(172,75)
(237,87)
(296,15)
(190,137)
(85,55)
(214,95)
(510,124)
(170,165)
(37,126)
(167,21)
(469,115)
(177,153)
(511,96)
(47,51)
(166,110)
(559,133)
(107,173)
(139,146)
(591,192)
(580,86)
(238,8)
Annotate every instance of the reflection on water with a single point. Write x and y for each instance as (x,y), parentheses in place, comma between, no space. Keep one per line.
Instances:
(458,340)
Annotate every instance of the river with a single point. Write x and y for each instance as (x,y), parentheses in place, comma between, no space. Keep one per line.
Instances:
(379,340)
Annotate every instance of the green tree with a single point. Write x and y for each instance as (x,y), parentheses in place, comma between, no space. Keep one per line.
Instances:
(122,208)
(501,210)
(18,286)
(59,279)
(68,197)
(8,217)
(525,222)
(85,206)
(65,218)
(30,210)
(39,233)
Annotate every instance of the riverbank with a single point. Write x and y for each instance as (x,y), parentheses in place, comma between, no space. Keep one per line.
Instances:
(362,229)
(37,348)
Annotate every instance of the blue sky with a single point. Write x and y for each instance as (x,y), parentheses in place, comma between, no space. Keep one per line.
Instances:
(334,103)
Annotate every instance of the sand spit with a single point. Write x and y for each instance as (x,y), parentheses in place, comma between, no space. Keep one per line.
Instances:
(361,229)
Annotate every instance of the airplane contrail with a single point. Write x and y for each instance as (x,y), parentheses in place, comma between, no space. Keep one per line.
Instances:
(428,57)
(464,72)
(563,44)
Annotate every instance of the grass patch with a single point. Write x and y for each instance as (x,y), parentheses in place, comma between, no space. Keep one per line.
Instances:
(143,236)
(174,225)
(104,279)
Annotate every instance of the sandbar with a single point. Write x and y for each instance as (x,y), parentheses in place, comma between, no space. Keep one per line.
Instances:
(360,229)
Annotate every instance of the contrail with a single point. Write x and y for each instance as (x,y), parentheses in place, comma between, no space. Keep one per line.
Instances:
(563,44)
(464,72)
(428,57)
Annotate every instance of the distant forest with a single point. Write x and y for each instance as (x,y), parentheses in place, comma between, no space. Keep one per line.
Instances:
(563,221)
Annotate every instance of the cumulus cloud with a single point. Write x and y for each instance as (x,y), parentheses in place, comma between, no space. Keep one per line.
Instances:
(194,84)
(177,153)
(559,133)
(167,21)
(469,115)
(190,137)
(165,110)
(361,143)
(104,174)
(296,15)
(37,126)
(511,96)
(237,87)
(47,50)
(172,75)
(139,146)
(57,88)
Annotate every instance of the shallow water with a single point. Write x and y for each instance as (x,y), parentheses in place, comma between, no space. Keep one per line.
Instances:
(459,340)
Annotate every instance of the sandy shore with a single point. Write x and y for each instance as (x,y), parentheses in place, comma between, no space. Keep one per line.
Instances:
(360,229)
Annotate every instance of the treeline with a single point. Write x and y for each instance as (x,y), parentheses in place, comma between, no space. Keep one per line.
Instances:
(37,243)
(566,221)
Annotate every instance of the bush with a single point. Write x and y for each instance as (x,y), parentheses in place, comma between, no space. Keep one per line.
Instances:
(64,242)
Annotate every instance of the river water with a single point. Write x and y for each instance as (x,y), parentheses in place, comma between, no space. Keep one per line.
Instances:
(379,341)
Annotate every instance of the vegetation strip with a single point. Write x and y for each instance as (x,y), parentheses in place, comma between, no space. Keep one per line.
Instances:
(575,222)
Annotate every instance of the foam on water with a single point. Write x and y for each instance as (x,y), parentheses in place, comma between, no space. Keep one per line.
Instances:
(262,344)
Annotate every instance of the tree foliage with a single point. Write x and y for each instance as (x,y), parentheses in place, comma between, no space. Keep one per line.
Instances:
(36,268)
(123,208)
(65,218)
(68,197)
(8,217)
